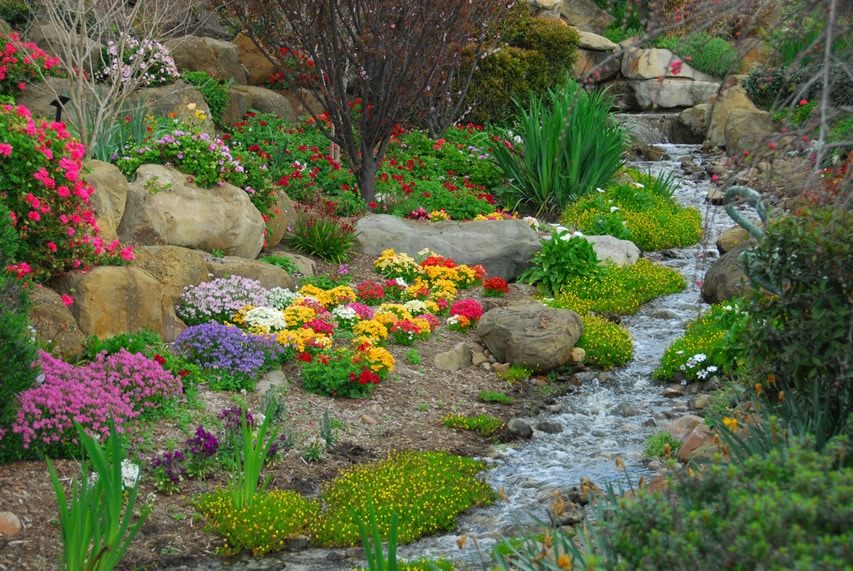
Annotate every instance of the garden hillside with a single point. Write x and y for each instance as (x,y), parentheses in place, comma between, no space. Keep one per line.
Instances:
(275,288)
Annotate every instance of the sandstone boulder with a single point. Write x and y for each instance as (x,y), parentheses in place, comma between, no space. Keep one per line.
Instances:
(175,268)
(691,126)
(38,96)
(532,335)
(671,92)
(179,100)
(729,99)
(268,275)
(54,323)
(266,101)
(612,249)
(258,67)
(730,238)
(219,58)
(586,15)
(108,200)
(283,216)
(164,207)
(110,300)
(654,63)
(747,131)
(503,247)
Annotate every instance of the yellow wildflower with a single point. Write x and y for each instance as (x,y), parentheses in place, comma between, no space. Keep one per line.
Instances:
(730,423)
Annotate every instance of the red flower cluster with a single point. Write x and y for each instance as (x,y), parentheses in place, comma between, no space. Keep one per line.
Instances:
(469,308)
(495,287)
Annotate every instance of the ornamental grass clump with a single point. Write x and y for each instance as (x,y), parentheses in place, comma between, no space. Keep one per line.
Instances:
(484,424)
(319,231)
(427,490)
(219,299)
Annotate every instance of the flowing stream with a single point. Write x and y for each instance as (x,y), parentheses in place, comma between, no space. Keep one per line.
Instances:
(608,418)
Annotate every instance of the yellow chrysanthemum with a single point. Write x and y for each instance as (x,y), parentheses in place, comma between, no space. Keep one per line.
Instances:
(297,315)
(372,329)
(310,290)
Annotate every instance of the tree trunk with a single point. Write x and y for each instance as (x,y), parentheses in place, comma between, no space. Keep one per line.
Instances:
(367,177)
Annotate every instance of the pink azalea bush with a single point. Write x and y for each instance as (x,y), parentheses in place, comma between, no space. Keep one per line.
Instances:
(122,385)
(22,62)
(48,199)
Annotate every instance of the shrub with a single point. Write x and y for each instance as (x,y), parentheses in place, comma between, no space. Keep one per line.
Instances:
(318,231)
(214,92)
(146,62)
(568,146)
(798,340)
(48,199)
(714,56)
(338,373)
(561,258)
(22,63)
(661,445)
(537,50)
(607,344)
(427,490)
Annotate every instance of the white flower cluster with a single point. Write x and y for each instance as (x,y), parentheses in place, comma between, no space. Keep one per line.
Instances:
(416,307)
(129,475)
(266,318)
(345,316)
(146,61)
(281,298)
(693,362)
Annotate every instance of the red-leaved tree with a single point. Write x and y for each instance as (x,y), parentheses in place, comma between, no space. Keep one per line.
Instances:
(387,57)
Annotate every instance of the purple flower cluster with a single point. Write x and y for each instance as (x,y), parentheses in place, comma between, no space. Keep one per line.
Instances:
(123,385)
(169,469)
(203,444)
(214,346)
(231,418)
(219,299)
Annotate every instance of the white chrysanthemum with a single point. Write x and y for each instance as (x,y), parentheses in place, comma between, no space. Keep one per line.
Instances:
(416,307)
(266,318)
(280,298)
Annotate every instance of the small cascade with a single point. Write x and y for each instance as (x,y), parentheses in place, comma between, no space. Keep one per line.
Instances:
(648,128)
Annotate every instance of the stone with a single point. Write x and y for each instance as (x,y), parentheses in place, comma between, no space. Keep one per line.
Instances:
(111,300)
(46,34)
(725,279)
(37,96)
(715,196)
(163,207)
(533,335)
(175,268)
(367,419)
(503,247)
(729,99)
(747,131)
(56,328)
(578,356)
(519,428)
(478,359)
(730,238)
(701,402)
(594,42)
(672,391)
(218,58)
(268,275)
(585,15)
(459,357)
(10,524)
(691,126)
(614,250)
(267,101)
(671,93)
(258,67)
(655,63)
(549,427)
(110,196)
(282,217)
(179,100)
(597,66)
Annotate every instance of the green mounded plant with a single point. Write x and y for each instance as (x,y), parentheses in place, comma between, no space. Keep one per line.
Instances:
(414,357)
(567,146)
(515,373)
(97,519)
(262,527)
(425,489)
(318,231)
(707,346)
(484,424)
(495,397)
(798,339)
(661,445)
(706,53)
(560,259)
(214,91)
(607,344)
(281,261)
(139,342)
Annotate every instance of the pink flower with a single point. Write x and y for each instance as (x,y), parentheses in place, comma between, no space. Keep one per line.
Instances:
(51,246)
(803,102)
(5,149)
(67,299)
(34,216)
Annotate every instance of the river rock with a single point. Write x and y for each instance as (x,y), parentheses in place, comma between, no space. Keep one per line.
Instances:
(503,247)
(731,238)
(549,427)
(163,207)
(691,126)
(10,524)
(532,335)
(459,357)
(725,278)
(612,249)
(520,428)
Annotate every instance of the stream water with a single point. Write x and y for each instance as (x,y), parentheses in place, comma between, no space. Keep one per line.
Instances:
(608,417)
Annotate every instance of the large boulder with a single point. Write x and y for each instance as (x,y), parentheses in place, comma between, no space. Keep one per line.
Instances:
(725,279)
(598,58)
(37,97)
(57,41)
(654,63)
(110,300)
(265,101)
(268,275)
(748,131)
(219,58)
(503,247)
(110,196)
(54,324)
(671,92)
(258,67)
(586,15)
(179,100)
(533,335)
(164,206)
(691,126)
(175,268)
(283,216)
(731,98)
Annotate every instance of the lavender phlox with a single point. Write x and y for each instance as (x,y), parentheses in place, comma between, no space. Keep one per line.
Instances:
(219,299)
